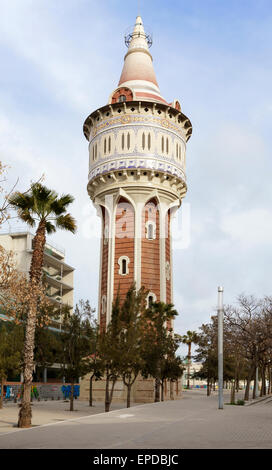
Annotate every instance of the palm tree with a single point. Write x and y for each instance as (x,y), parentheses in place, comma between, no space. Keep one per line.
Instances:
(189,338)
(41,207)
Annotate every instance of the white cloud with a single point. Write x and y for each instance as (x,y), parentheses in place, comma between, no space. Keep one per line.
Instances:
(252,227)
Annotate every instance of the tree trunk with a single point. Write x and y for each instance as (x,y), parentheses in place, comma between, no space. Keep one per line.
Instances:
(249,378)
(208,387)
(107,394)
(171,390)
(269,380)
(128,395)
(157,390)
(162,390)
(254,386)
(72,397)
(232,394)
(263,386)
(35,274)
(2,393)
(91,391)
(189,364)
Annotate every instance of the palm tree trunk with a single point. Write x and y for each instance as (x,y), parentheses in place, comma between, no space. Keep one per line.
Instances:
(35,275)
(189,364)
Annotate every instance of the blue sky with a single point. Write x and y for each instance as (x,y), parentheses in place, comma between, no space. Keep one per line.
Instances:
(60,60)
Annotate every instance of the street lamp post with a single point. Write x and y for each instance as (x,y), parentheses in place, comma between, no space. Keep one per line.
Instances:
(220,347)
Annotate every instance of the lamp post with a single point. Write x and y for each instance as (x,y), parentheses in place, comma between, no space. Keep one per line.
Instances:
(220,347)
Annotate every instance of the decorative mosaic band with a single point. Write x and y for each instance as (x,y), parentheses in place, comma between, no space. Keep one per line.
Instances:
(135,164)
(140,119)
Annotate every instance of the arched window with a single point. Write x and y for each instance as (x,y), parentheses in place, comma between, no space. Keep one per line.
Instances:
(123,265)
(105,146)
(123,141)
(128,141)
(109,144)
(150,228)
(149,141)
(143,140)
(150,299)
(167,145)
(122,98)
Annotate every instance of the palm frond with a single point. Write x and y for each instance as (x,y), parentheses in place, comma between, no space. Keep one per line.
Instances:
(59,206)
(26,217)
(50,228)
(66,222)
(21,201)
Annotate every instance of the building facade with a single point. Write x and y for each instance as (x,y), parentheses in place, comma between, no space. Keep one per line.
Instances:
(137,149)
(59,276)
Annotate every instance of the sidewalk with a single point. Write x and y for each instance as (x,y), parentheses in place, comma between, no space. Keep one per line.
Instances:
(47,412)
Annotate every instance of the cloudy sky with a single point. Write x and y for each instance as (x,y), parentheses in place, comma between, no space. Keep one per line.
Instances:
(60,60)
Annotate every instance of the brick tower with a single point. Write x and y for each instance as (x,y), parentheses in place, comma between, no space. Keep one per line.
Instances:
(137,146)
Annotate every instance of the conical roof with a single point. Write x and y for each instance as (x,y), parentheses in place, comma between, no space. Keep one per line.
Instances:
(138,72)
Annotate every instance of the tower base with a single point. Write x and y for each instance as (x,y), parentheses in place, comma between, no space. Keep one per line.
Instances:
(143,390)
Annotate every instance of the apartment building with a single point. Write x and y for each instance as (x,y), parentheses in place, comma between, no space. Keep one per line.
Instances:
(59,275)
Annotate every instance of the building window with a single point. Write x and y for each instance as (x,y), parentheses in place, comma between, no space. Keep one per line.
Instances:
(150,299)
(162,144)
(167,145)
(109,144)
(128,141)
(143,141)
(149,141)
(123,141)
(122,98)
(123,265)
(105,146)
(150,228)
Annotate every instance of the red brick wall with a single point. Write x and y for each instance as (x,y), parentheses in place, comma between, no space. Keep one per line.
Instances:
(124,246)
(150,272)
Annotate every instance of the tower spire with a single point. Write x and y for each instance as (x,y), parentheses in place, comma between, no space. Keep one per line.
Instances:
(138,73)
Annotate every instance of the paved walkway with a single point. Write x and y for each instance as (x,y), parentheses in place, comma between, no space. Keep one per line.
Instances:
(50,412)
(190,423)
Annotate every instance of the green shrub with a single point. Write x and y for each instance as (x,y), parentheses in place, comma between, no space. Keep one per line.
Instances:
(240,402)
